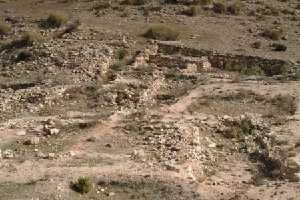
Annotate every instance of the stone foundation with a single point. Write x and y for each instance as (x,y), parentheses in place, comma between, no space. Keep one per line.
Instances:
(218,60)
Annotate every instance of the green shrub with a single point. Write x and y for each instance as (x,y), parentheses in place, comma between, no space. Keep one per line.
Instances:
(4,28)
(55,20)
(82,185)
(161,32)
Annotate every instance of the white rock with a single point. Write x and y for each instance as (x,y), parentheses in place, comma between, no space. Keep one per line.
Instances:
(54,131)
(139,154)
(34,140)
(227,117)
(38,129)
(41,155)
(111,194)
(297,176)
(51,155)
(21,133)
(172,167)
(190,174)
(212,145)
(8,153)
(72,153)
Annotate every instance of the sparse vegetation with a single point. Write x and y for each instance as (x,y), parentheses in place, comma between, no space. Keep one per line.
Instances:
(234,8)
(29,38)
(192,11)
(205,2)
(54,20)
(4,28)
(82,185)
(101,6)
(141,85)
(23,55)
(116,66)
(273,33)
(161,32)
(134,2)
(219,7)
(256,45)
(254,70)
(240,129)
(121,54)
(286,103)
(297,75)
(279,47)
(222,7)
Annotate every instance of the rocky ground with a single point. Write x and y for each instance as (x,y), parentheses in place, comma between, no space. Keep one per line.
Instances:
(214,115)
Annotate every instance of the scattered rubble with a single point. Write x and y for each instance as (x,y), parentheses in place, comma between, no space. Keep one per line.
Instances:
(210,116)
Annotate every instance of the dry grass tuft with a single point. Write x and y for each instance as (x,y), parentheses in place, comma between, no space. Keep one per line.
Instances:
(162,32)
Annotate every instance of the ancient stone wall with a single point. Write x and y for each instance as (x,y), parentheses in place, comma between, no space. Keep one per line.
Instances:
(223,61)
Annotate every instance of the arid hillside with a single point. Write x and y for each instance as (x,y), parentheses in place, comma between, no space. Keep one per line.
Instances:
(149,100)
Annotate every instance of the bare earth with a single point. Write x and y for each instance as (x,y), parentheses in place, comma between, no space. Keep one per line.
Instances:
(205,117)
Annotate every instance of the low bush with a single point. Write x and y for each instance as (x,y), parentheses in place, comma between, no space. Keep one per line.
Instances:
(278,47)
(161,32)
(134,2)
(234,8)
(240,129)
(273,33)
(28,39)
(256,45)
(285,103)
(121,54)
(192,11)
(4,28)
(23,55)
(219,7)
(55,20)
(82,185)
